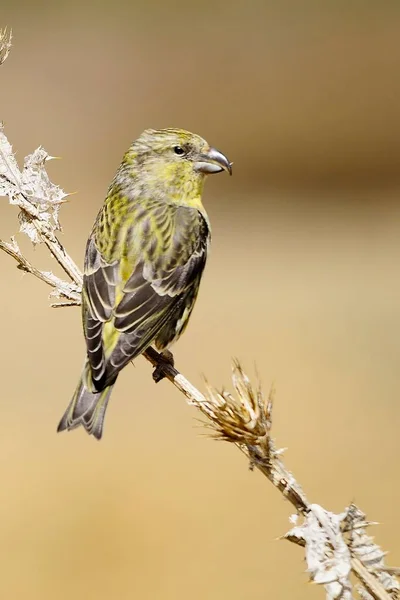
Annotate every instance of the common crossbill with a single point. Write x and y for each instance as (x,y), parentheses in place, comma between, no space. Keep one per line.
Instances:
(144,261)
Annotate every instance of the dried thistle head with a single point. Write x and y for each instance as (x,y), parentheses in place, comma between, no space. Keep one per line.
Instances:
(5,44)
(244,417)
(31,185)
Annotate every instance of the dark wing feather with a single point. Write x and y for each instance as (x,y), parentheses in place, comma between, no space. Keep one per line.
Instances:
(99,282)
(99,286)
(161,280)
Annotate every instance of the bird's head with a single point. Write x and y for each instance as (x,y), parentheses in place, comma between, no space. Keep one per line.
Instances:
(174,161)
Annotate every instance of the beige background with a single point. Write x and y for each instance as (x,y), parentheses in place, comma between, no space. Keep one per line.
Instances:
(303,280)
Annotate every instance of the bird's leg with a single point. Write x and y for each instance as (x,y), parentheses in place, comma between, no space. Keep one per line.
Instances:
(167,360)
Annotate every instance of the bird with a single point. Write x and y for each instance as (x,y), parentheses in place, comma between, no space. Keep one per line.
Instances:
(143,264)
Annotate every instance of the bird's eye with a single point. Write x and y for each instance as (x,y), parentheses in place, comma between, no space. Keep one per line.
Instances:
(179,150)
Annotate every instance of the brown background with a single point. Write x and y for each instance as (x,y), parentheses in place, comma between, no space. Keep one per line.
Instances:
(303,280)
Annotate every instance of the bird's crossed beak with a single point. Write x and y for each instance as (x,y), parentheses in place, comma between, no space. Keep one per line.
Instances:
(213,161)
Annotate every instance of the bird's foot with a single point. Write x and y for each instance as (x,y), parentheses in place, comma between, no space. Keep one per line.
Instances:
(167,360)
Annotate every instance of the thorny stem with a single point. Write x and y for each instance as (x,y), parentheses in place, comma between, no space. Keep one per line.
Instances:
(368,580)
(279,476)
(5,43)
(51,241)
(72,295)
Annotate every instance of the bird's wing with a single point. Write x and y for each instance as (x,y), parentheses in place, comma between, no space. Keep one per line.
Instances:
(127,301)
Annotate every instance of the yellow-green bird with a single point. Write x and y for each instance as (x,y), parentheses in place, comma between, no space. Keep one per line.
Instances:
(144,260)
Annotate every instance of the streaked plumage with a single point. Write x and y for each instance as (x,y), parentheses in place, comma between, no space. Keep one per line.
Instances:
(144,261)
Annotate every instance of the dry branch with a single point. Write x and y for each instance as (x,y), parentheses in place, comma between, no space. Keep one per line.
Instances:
(5,44)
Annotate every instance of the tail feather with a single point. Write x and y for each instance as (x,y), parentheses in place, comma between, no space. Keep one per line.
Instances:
(86,408)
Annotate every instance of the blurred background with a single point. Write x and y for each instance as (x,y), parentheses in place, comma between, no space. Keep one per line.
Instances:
(302,282)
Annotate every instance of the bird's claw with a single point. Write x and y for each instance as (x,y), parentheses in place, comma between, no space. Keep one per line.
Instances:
(166,360)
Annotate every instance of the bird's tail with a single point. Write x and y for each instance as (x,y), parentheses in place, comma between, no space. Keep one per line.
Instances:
(86,408)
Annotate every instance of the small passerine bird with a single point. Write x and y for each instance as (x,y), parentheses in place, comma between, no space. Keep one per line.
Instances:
(144,260)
